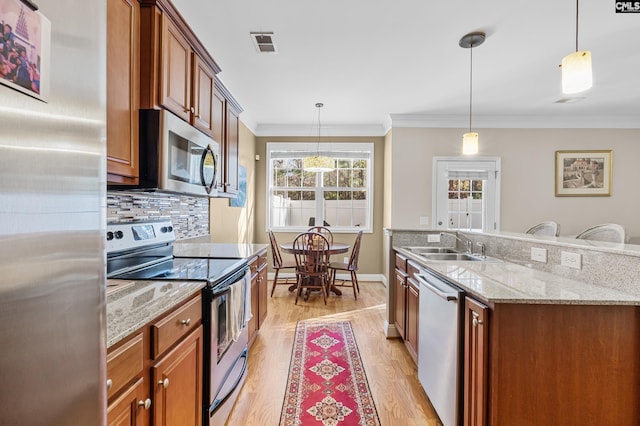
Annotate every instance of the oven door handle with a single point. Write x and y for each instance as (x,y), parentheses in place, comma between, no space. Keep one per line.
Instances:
(217,293)
(219,401)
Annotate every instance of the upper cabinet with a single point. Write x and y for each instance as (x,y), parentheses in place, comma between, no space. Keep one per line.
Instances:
(123,88)
(226,111)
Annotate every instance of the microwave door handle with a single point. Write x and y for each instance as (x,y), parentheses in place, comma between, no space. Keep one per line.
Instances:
(208,186)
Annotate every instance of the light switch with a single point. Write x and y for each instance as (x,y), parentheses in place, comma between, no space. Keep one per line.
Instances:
(539,254)
(433,238)
(571,260)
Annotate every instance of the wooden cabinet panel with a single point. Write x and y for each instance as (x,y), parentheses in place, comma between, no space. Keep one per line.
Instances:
(203,96)
(476,356)
(259,293)
(231,145)
(218,108)
(124,364)
(262,295)
(177,381)
(123,87)
(169,330)
(400,301)
(129,409)
(176,71)
(411,331)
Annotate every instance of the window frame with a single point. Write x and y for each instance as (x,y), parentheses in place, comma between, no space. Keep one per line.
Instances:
(324,148)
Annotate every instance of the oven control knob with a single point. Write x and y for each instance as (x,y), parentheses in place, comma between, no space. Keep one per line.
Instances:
(119,235)
(109,236)
(166,229)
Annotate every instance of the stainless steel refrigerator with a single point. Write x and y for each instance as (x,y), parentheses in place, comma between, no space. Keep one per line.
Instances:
(52,204)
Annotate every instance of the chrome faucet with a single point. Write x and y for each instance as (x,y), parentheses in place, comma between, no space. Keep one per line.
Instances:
(466,241)
(483,249)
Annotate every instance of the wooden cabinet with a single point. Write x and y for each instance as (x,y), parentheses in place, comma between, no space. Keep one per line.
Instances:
(411,330)
(203,83)
(259,290)
(123,86)
(177,379)
(158,369)
(406,305)
(176,71)
(226,111)
(551,364)
(400,292)
(476,356)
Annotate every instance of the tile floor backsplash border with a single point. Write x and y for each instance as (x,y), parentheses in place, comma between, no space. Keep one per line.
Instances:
(190,215)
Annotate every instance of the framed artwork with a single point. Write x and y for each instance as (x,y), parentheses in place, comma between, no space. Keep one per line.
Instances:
(583,173)
(241,198)
(25,45)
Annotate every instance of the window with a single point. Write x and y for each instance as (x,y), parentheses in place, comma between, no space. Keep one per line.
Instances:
(341,199)
(466,193)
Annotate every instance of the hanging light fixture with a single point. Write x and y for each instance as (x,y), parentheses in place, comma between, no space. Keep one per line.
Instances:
(318,163)
(576,68)
(470,139)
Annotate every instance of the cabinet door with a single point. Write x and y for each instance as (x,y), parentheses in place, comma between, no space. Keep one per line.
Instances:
(476,356)
(177,384)
(231,182)
(123,77)
(131,408)
(411,332)
(255,309)
(218,108)
(401,301)
(176,71)
(202,96)
(262,295)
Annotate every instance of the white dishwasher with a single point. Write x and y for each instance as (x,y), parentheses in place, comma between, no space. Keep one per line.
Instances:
(439,342)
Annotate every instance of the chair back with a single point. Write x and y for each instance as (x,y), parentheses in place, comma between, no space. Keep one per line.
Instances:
(355,253)
(545,228)
(326,232)
(275,251)
(311,251)
(609,232)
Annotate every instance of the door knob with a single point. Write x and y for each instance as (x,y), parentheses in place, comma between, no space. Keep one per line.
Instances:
(146,404)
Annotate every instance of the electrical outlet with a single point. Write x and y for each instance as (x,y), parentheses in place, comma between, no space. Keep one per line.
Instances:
(433,238)
(539,254)
(424,220)
(345,259)
(571,260)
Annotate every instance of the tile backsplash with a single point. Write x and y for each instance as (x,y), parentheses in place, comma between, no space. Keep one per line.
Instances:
(190,215)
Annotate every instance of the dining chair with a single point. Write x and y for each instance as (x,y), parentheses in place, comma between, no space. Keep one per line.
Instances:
(326,232)
(278,263)
(609,232)
(549,228)
(351,267)
(311,252)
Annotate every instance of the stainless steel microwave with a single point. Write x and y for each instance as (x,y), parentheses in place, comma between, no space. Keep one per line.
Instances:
(175,156)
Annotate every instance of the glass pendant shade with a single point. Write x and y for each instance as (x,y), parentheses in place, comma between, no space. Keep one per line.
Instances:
(576,72)
(318,163)
(470,143)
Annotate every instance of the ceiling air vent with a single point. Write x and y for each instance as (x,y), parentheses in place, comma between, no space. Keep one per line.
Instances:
(264,42)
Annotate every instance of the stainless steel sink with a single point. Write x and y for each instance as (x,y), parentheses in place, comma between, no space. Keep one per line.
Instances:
(430,250)
(451,256)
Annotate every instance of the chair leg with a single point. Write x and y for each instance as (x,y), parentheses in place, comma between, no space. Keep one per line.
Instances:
(298,289)
(354,284)
(324,289)
(275,280)
(354,278)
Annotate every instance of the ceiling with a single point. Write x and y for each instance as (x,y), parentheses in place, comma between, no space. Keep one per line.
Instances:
(378,64)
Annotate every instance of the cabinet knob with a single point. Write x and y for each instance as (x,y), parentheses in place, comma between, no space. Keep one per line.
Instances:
(186,322)
(476,322)
(109,384)
(193,110)
(164,383)
(146,404)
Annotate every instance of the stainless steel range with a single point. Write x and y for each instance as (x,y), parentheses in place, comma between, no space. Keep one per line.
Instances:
(144,251)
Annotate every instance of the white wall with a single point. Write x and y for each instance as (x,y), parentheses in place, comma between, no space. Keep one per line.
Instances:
(528,162)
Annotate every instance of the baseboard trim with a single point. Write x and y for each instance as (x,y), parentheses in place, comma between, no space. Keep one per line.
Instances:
(390,330)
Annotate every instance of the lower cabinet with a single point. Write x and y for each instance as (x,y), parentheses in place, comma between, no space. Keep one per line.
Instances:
(407,299)
(476,345)
(411,326)
(259,290)
(154,376)
(400,292)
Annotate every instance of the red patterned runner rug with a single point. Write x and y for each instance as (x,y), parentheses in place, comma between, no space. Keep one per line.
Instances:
(327,384)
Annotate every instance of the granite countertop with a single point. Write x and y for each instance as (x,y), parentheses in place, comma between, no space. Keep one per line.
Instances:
(203,247)
(135,303)
(505,282)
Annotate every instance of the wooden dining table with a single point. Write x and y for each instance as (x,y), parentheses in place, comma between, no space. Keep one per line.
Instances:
(334,248)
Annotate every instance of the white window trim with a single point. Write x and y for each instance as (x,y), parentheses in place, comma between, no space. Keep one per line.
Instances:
(323,147)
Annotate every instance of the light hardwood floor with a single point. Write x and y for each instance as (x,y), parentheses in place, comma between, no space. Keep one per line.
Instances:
(391,373)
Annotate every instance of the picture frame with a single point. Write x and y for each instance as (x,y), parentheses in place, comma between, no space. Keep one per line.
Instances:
(584,173)
(241,198)
(25,47)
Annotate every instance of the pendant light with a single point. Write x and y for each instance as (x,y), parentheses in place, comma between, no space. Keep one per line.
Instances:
(318,163)
(576,68)
(470,139)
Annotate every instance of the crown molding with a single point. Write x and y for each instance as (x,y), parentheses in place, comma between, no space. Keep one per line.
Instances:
(515,121)
(372,130)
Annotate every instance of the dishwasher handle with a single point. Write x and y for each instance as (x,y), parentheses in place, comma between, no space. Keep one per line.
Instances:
(448,296)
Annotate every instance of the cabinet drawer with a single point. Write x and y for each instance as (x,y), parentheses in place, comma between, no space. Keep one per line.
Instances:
(412,269)
(124,364)
(262,260)
(401,262)
(169,330)
(253,265)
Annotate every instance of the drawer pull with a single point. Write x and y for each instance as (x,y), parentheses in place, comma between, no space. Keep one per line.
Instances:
(164,383)
(186,322)
(146,404)
(109,384)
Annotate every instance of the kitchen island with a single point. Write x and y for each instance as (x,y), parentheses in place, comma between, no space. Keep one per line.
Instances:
(539,348)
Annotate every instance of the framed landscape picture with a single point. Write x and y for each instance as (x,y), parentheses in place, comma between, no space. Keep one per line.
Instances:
(583,173)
